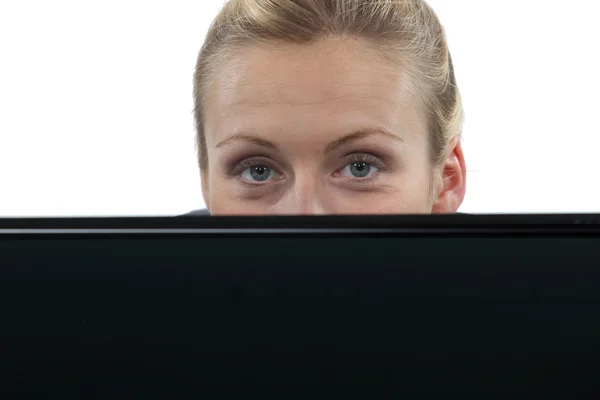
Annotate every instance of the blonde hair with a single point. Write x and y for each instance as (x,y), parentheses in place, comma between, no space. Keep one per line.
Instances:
(407,30)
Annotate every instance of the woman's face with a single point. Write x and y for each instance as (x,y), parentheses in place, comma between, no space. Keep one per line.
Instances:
(325,128)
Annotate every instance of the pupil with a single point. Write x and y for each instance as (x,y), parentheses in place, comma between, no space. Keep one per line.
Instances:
(360,170)
(260,172)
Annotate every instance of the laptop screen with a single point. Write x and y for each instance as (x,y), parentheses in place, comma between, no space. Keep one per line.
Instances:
(450,301)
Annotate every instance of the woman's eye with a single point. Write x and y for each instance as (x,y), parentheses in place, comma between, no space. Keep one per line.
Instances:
(258,173)
(359,170)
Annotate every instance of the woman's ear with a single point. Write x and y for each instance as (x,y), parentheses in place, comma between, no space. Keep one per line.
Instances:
(452,188)
(204,182)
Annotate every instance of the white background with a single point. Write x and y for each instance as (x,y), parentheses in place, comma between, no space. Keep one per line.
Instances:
(96,104)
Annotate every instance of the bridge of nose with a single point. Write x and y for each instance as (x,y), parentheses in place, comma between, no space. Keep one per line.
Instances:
(305,194)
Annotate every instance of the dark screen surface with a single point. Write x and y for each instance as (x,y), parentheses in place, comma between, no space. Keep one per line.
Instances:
(105,305)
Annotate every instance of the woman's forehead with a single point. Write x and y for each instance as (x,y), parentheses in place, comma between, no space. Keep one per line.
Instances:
(306,73)
(324,81)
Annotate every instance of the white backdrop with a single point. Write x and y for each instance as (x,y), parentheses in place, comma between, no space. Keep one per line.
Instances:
(96,101)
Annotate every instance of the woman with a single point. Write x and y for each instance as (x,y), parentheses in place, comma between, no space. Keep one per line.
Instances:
(328,107)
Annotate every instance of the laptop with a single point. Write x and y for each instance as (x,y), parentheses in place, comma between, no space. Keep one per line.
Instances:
(445,303)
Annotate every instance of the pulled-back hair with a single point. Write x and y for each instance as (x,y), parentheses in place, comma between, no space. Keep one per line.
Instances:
(406,31)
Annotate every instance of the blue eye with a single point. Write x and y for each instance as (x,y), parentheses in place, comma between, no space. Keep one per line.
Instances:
(359,170)
(258,173)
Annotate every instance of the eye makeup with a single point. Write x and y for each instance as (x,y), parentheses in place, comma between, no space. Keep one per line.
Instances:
(362,158)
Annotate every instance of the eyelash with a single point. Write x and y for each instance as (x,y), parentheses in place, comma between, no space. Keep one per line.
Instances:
(362,158)
(249,163)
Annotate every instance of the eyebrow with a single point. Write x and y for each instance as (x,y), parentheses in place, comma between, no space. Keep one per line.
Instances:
(248,138)
(360,134)
(357,135)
